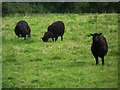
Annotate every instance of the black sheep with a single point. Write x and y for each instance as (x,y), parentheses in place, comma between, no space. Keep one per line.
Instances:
(99,47)
(54,31)
(22,29)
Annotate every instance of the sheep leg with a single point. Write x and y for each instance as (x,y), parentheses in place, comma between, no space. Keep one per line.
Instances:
(56,38)
(96,58)
(29,35)
(24,37)
(62,38)
(102,60)
(53,39)
(18,35)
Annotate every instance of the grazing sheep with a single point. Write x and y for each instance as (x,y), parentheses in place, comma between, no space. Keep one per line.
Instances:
(54,31)
(22,29)
(99,47)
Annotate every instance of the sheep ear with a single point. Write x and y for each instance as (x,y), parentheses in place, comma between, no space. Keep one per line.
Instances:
(100,34)
(91,34)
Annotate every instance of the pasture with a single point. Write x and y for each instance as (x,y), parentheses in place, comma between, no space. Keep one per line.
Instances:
(32,63)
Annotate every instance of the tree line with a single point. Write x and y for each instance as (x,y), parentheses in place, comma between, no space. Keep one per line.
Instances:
(60,7)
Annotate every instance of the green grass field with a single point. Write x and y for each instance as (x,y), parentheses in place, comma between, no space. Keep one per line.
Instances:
(32,63)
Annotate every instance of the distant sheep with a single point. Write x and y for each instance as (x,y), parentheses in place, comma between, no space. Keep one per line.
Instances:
(54,31)
(22,29)
(99,47)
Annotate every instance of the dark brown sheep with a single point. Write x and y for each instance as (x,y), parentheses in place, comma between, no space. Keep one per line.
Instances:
(54,31)
(99,47)
(22,29)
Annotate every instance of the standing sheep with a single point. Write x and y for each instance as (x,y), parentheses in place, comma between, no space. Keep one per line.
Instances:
(99,47)
(54,31)
(22,29)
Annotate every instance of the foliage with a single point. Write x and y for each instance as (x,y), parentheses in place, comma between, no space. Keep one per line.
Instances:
(32,63)
(59,7)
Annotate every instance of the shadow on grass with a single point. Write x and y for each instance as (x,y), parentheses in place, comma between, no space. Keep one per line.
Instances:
(56,58)
(16,40)
(36,59)
(79,64)
(86,64)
